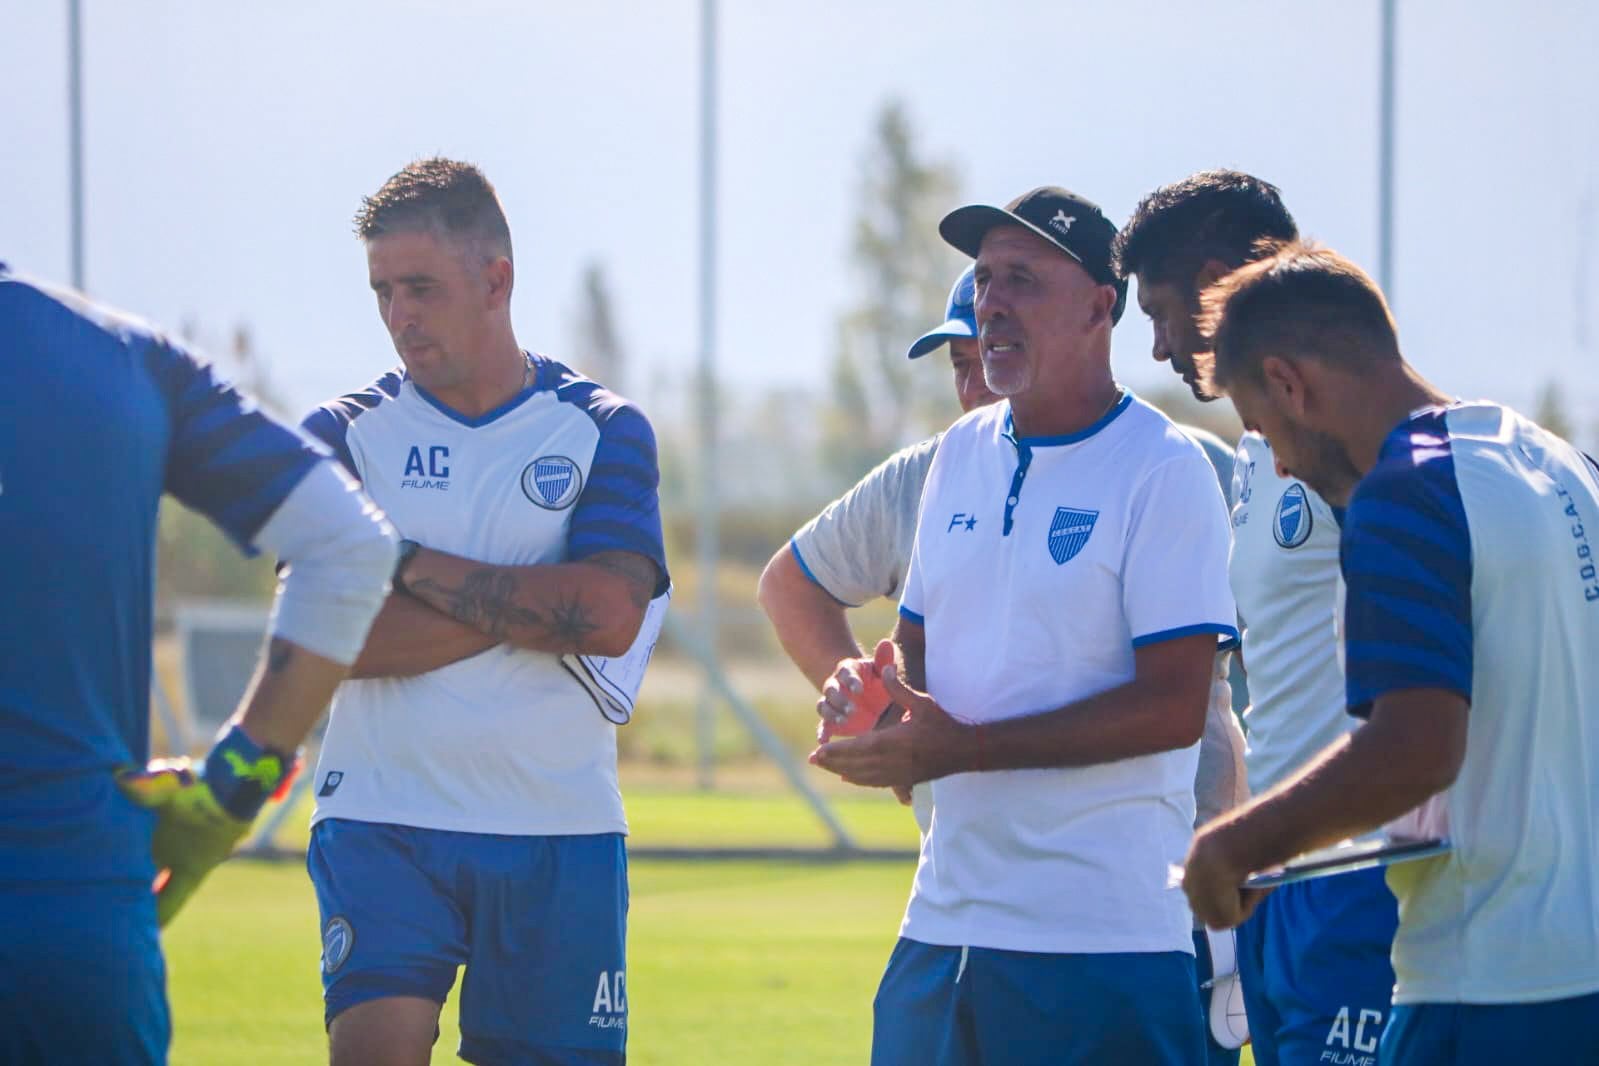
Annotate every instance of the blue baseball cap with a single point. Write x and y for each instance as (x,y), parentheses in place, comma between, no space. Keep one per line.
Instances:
(960,317)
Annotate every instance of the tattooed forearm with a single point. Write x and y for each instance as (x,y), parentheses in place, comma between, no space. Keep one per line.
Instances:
(571,622)
(486,601)
(640,573)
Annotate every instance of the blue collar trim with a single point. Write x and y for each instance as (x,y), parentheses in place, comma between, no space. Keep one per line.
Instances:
(487,416)
(1067,438)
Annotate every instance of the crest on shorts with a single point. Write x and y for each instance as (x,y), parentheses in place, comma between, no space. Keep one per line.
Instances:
(337,940)
(1069,531)
(1291,525)
(552,482)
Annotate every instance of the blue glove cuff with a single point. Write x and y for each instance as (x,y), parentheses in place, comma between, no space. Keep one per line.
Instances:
(242,774)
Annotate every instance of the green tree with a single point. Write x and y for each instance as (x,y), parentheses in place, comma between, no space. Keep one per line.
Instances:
(1551,411)
(598,347)
(901,271)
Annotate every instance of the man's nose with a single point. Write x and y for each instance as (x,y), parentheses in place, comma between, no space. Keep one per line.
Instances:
(401,314)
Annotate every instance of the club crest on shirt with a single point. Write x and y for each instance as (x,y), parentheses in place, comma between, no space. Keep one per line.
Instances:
(552,481)
(1069,531)
(1291,526)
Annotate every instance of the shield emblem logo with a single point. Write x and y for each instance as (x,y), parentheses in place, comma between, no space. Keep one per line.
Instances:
(1069,531)
(552,481)
(1291,525)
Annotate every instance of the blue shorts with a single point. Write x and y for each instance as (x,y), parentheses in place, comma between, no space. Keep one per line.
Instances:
(539,922)
(1316,969)
(81,976)
(1497,1034)
(944,1006)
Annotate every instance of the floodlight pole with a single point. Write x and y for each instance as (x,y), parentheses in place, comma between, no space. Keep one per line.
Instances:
(75,135)
(1385,156)
(708,509)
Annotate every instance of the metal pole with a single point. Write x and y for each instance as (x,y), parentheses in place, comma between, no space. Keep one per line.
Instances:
(708,516)
(75,134)
(1385,157)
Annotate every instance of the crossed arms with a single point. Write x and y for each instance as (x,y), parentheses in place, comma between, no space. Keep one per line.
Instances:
(452,608)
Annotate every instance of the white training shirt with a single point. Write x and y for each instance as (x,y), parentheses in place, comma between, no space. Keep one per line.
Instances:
(1040,564)
(508,741)
(1470,556)
(1284,574)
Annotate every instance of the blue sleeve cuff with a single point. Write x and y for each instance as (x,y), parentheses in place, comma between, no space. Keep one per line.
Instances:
(805,569)
(910,615)
(1229,635)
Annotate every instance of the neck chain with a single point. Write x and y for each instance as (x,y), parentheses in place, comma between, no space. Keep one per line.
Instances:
(527,371)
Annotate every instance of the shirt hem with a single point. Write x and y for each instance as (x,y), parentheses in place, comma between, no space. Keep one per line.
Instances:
(1229,635)
(793,546)
(450,825)
(1034,944)
(1414,997)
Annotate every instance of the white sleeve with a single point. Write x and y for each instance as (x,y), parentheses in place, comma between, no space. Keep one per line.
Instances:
(613,682)
(339,553)
(1221,782)
(858,548)
(1174,573)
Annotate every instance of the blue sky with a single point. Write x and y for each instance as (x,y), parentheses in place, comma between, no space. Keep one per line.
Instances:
(229,144)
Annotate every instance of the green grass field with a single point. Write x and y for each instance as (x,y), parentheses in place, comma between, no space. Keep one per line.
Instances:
(729,962)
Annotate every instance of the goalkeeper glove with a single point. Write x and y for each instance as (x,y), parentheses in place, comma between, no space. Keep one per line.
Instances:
(202,813)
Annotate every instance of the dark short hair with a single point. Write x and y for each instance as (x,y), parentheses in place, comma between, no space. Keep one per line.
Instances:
(441,194)
(1215,214)
(1293,300)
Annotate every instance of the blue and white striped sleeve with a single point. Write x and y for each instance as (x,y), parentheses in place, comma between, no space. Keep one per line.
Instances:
(620,508)
(226,457)
(1407,566)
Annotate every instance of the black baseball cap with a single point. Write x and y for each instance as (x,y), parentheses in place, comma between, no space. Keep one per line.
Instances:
(1071,223)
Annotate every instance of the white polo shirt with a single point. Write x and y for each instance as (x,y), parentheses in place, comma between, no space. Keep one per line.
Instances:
(1040,565)
(1284,573)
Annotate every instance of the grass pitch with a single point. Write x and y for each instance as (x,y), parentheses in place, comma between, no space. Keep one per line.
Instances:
(729,962)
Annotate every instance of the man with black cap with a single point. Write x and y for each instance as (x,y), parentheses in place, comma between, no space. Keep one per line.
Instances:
(859,547)
(1054,655)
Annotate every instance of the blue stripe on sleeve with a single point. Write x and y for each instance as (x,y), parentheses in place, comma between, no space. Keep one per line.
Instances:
(1228,633)
(911,616)
(805,569)
(1406,549)
(226,458)
(619,508)
(330,423)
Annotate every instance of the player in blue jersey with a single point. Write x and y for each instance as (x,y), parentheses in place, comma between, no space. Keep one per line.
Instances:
(1315,954)
(1471,623)
(468,811)
(100,415)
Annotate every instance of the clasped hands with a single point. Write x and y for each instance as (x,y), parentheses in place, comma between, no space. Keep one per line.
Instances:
(926,742)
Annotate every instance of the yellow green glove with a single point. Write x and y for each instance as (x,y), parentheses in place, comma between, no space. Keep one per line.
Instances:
(201,814)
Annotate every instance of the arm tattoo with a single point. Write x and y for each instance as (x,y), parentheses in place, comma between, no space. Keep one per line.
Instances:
(486,601)
(570,622)
(641,573)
